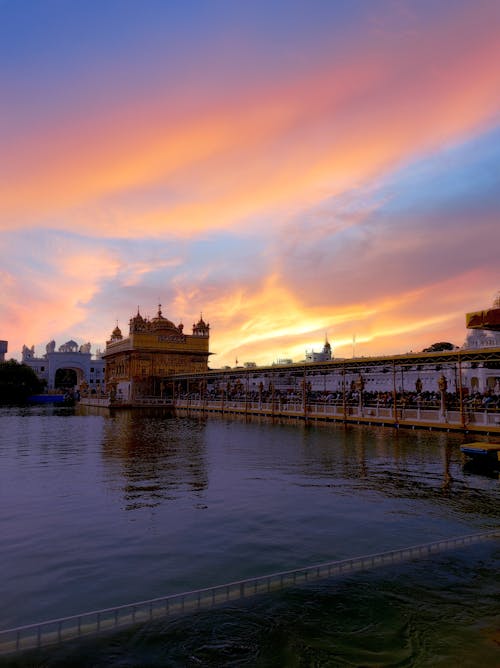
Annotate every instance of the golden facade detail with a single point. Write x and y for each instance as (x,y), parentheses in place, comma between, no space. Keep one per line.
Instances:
(154,349)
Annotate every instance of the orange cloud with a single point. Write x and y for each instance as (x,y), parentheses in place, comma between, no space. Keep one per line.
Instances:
(267,321)
(256,320)
(271,151)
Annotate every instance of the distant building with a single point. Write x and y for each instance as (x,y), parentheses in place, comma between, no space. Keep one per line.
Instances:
(481,338)
(484,327)
(487,320)
(137,365)
(283,361)
(482,377)
(324,356)
(70,366)
(3,350)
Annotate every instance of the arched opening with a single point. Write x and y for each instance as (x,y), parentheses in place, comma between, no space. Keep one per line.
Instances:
(65,379)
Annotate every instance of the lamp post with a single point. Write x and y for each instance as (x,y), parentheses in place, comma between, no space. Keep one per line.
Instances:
(304,393)
(461,393)
(344,407)
(360,386)
(394,395)
(443,385)
(418,388)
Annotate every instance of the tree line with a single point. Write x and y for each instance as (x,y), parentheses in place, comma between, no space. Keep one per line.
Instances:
(18,382)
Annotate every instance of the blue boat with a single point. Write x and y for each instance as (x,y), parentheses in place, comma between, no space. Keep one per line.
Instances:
(61,399)
(483,455)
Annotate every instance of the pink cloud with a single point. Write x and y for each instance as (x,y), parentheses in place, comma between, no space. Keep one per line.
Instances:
(273,151)
(36,303)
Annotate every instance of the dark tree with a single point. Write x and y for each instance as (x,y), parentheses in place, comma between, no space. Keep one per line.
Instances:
(439,346)
(17,382)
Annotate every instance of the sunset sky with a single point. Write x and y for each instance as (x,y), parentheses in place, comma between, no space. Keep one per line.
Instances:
(289,169)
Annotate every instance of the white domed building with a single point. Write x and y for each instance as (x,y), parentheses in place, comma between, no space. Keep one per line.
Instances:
(68,367)
(483,378)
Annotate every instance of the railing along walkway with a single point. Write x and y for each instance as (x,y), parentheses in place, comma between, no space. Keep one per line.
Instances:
(56,631)
(478,420)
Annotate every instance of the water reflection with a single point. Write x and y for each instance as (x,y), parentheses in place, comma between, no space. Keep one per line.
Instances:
(150,457)
(399,464)
(102,509)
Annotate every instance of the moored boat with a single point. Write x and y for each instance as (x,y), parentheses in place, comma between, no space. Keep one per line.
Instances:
(485,455)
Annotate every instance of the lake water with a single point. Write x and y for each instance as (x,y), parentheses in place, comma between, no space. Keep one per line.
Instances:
(99,510)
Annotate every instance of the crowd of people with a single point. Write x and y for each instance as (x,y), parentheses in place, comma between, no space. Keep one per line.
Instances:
(475,401)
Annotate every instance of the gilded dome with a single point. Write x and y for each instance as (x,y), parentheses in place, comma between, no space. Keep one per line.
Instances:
(116,334)
(159,322)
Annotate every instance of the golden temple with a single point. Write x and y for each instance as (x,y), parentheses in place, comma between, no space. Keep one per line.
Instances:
(137,365)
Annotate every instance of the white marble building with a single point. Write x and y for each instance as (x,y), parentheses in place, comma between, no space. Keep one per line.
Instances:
(379,377)
(324,356)
(69,357)
(481,378)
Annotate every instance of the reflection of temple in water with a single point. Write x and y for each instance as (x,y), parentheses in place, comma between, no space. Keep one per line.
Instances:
(149,458)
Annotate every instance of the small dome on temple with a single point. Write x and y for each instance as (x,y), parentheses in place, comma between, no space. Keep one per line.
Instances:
(138,316)
(137,323)
(201,322)
(201,328)
(116,334)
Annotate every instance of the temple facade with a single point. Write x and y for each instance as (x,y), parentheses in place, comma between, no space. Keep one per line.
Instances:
(137,365)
